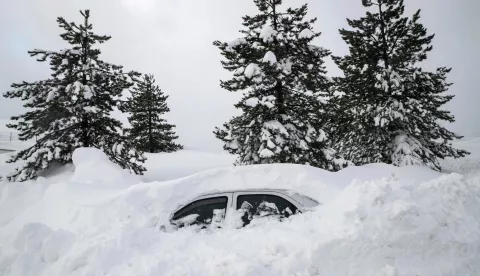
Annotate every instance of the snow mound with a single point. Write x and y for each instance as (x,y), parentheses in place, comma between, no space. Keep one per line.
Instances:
(375,220)
(427,229)
(168,166)
(93,166)
(252,70)
(270,57)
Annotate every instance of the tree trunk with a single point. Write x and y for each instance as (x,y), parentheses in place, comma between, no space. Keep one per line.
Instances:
(278,85)
(85,125)
(150,130)
(384,35)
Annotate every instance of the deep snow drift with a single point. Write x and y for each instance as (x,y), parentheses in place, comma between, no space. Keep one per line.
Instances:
(379,220)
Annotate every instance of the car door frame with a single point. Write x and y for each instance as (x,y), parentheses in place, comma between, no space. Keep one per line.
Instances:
(265,192)
(229,196)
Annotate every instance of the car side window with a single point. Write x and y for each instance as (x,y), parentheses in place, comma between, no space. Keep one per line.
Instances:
(262,205)
(203,211)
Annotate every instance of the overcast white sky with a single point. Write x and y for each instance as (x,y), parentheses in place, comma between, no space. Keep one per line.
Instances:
(172,39)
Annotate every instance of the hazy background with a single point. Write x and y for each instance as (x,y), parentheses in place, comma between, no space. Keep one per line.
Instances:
(172,39)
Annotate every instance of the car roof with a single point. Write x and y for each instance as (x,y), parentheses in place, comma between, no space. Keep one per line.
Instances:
(283,191)
(304,200)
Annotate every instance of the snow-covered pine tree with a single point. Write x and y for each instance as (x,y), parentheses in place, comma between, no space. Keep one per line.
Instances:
(390,110)
(150,132)
(71,109)
(282,76)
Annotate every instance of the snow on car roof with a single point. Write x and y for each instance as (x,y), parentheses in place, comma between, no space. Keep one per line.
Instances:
(244,190)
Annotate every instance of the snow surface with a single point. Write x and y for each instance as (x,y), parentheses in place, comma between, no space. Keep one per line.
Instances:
(15,145)
(5,135)
(168,166)
(373,220)
(92,166)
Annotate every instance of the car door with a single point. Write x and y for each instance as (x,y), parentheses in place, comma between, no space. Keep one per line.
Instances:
(207,211)
(256,205)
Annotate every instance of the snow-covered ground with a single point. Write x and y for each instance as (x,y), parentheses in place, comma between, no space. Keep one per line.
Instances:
(15,145)
(467,165)
(9,138)
(91,218)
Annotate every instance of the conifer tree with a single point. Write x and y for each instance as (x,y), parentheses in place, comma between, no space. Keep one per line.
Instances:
(71,109)
(390,110)
(282,77)
(149,131)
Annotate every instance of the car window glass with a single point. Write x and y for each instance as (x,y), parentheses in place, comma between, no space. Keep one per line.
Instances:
(204,211)
(261,205)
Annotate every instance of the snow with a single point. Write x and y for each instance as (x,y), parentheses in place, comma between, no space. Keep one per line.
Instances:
(14,145)
(252,102)
(235,43)
(270,57)
(92,166)
(8,133)
(268,101)
(406,150)
(267,33)
(252,70)
(467,165)
(266,153)
(375,220)
(287,67)
(168,166)
(51,94)
(306,33)
(91,109)
(88,92)
(239,71)
(233,144)
(77,87)
(276,126)
(339,94)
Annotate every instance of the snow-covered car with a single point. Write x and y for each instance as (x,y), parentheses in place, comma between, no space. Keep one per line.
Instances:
(243,206)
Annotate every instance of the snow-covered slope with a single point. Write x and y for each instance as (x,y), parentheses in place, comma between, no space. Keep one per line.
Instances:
(467,165)
(92,219)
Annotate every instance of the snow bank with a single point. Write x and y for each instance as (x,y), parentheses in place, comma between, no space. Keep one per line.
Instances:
(93,166)
(374,220)
(168,166)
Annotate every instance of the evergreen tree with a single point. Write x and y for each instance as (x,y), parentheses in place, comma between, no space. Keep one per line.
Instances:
(150,132)
(390,110)
(282,76)
(72,108)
